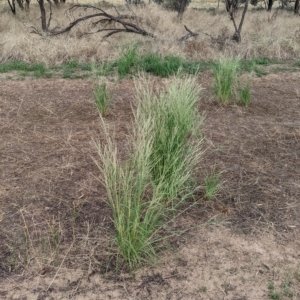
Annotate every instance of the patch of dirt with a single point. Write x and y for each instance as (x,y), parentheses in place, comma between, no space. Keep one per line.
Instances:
(56,225)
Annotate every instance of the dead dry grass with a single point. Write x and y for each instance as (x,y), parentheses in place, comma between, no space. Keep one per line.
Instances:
(278,39)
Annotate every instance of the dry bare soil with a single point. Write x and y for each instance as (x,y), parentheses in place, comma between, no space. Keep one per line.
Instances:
(55,223)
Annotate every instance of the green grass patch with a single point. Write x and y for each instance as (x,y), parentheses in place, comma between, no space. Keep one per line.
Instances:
(141,187)
(104,69)
(271,285)
(176,123)
(160,66)
(169,65)
(126,61)
(244,93)
(102,97)
(212,184)
(21,66)
(275,295)
(297,64)
(132,62)
(255,65)
(225,75)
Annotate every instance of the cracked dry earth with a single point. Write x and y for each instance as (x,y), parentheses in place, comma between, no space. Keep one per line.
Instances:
(55,223)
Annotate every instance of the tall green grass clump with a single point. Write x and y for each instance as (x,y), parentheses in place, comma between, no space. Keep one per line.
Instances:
(102,97)
(159,165)
(137,208)
(176,133)
(225,74)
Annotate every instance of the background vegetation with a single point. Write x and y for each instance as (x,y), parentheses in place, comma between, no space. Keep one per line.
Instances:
(273,35)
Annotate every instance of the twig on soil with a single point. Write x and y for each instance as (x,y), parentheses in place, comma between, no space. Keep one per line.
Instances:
(221,289)
(60,267)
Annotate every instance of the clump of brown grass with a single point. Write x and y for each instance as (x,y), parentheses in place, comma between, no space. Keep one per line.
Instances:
(260,38)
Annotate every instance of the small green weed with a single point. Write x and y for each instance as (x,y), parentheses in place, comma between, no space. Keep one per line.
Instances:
(203,289)
(24,73)
(245,93)
(196,67)
(73,64)
(40,72)
(128,59)
(102,97)
(297,273)
(225,74)
(85,67)
(160,66)
(13,66)
(212,185)
(48,74)
(253,66)
(271,285)
(297,64)
(169,65)
(275,295)
(70,68)
(67,74)
(262,61)
(287,286)
(103,69)
(37,69)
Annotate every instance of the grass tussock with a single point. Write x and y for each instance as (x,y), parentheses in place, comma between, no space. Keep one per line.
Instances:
(103,97)
(176,134)
(146,188)
(212,184)
(245,93)
(227,82)
(225,73)
(278,39)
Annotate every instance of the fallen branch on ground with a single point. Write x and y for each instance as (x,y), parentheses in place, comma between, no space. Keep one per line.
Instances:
(102,18)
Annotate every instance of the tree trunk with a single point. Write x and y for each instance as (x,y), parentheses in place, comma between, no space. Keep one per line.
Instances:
(43,14)
(296,9)
(182,8)
(20,2)
(12,6)
(238,30)
(270,4)
(27,2)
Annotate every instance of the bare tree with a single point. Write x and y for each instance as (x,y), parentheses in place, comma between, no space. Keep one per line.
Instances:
(12,6)
(270,5)
(27,3)
(20,3)
(231,5)
(99,19)
(182,8)
(296,8)
(43,14)
(45,24)
(238,29)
